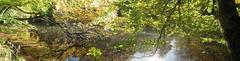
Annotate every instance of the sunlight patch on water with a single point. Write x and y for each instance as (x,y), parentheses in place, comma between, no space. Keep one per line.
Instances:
(169,56)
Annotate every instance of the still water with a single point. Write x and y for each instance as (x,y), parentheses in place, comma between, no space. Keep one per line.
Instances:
(120,48)
(171,55)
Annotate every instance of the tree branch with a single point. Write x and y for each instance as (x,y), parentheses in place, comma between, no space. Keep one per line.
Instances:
(25,11)
(163,28)
(5,9)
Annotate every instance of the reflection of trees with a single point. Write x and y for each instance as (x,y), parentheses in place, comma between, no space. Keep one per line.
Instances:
(60,42)
(147,43)
(192,49)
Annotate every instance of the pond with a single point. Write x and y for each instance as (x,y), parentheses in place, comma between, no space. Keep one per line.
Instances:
(143,47)
(49,44)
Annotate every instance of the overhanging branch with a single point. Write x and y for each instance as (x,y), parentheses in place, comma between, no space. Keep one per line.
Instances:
(25,11)
(5,9)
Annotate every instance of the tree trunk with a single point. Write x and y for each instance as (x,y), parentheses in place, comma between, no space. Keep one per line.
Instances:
(228,17)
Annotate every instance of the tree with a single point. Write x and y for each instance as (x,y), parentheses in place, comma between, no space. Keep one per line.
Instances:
(229,20)
(227,15)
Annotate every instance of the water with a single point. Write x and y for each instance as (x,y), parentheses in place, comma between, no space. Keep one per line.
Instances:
(170,56)
(72,59)
(119,49)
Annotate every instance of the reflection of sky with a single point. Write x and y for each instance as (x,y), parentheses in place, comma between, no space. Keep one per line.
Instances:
(170,56)
(155,57)
(72,59)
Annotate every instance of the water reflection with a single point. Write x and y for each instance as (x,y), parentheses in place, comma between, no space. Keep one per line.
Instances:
(72,58)
(169,56)
(179,49)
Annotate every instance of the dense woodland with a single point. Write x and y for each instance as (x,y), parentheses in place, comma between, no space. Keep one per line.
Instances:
(112,30)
